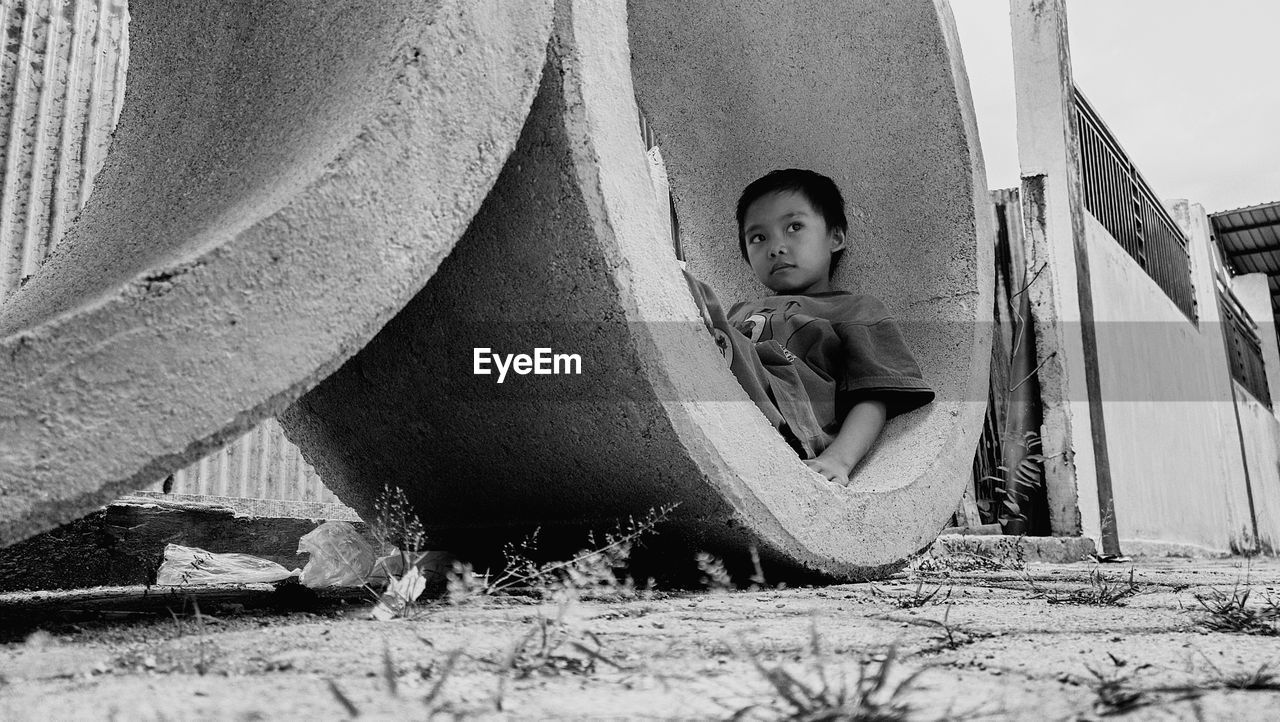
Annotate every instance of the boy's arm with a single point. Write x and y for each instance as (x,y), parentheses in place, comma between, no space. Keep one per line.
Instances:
(859,431)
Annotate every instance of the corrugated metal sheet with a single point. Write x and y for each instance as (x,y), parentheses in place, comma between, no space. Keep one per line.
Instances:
(61,85)
(62,76)
(1250,240)
(262,464)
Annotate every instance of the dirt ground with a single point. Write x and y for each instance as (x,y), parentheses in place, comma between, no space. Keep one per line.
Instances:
(955,638)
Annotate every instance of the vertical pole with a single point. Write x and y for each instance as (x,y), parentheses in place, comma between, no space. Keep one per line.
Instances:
(1227,327)
(1078,473)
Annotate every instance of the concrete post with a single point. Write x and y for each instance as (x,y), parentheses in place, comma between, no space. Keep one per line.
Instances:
(1077,471)
(1193,222)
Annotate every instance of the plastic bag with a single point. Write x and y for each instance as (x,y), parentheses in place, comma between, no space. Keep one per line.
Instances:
(189,565)
(400,593)
(340,557)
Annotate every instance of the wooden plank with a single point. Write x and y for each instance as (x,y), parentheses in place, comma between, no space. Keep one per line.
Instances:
(968,511)
(124,543)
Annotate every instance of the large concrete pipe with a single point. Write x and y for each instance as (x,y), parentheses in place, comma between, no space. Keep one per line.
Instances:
(570,252)
(284,177)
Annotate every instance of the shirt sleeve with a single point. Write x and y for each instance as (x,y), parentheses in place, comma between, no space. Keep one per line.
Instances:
(878,364)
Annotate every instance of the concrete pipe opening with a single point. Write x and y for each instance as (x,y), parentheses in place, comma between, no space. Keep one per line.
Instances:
(283,178)
(571,253)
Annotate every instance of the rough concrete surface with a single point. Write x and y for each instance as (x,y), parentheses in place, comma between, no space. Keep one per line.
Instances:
(283,178)
(1057,550)
(998,643)
(571,251)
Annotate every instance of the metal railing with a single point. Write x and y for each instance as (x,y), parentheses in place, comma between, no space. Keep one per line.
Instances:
(1122,201)
(1244,348)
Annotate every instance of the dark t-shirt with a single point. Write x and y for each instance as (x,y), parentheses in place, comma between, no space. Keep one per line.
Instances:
(851,343)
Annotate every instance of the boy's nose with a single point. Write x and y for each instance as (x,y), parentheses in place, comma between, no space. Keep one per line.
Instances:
(777,249)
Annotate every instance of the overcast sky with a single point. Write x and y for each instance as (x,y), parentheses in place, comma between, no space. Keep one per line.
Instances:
(1190,87)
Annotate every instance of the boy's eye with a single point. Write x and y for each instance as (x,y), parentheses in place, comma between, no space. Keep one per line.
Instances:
(755,239)
(795,226)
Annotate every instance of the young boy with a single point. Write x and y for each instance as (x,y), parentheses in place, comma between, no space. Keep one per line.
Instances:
(826,367)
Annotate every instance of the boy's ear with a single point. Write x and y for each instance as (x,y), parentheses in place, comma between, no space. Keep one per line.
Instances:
(838,240)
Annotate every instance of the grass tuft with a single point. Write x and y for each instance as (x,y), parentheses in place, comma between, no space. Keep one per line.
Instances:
(953,636)
(550,648)
(917,598)
(873,697)
(1118,692)
(600,568)
(1101,591)
(1260,679)
(1232,613)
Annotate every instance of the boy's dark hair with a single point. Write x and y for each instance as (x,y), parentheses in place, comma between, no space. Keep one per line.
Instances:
(821,192)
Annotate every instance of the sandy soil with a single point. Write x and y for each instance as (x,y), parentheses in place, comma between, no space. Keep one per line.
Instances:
(990,643)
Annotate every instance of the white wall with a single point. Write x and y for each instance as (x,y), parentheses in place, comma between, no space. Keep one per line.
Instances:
(1261,431)
(1259,425)
(1173,454)
(1178,476)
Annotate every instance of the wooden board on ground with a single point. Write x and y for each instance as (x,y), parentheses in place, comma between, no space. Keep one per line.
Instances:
(124,543)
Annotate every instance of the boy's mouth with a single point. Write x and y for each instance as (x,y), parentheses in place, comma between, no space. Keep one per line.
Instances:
(781,267)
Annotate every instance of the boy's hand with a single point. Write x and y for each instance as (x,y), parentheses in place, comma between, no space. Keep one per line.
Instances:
(829,469)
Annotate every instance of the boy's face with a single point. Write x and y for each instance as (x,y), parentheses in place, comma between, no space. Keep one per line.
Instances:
(788,243)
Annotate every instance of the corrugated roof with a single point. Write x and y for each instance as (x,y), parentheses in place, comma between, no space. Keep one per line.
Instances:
(1242,209)
(1250,239)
